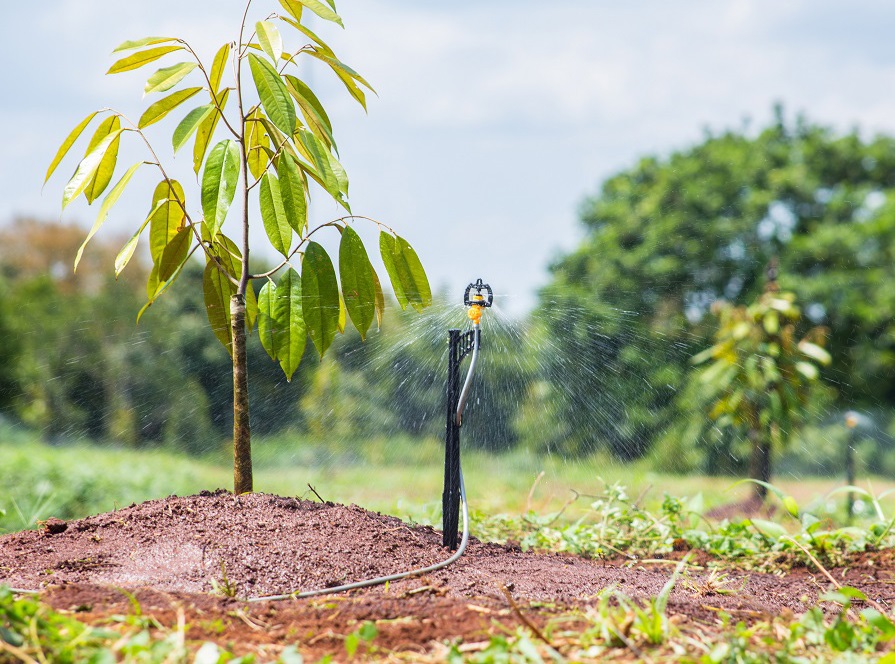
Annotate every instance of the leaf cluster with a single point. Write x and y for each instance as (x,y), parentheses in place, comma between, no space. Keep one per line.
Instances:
(279,140)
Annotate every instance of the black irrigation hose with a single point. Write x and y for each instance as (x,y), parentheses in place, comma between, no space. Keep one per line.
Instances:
(391,577)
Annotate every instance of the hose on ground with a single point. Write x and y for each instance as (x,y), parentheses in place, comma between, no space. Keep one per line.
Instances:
(391,577)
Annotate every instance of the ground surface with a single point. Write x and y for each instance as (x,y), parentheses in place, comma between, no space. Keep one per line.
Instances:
(201,556)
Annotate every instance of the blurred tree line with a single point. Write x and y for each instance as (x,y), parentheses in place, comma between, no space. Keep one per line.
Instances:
(601,365)
(669,237)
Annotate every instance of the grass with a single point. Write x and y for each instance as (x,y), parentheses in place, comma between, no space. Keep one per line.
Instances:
(400,477)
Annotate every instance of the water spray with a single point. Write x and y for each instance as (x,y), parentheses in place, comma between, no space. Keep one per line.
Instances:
(454,495)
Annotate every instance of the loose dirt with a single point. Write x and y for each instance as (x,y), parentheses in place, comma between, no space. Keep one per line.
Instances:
(204,555)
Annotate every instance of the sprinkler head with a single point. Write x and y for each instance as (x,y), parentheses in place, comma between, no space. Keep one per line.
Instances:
(477,303)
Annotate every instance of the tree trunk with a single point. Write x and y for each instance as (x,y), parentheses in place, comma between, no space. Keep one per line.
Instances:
(759,463)
(242,438)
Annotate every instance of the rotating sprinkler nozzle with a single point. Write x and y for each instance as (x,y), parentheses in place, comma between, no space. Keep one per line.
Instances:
(459,346)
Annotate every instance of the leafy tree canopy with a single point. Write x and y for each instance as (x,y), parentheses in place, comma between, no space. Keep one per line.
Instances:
(670,236)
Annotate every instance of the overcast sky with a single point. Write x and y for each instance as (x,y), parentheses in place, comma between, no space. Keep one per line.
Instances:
(494,118)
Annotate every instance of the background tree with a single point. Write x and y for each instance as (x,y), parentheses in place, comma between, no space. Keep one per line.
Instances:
(668,237)
(279,140)
(758,375)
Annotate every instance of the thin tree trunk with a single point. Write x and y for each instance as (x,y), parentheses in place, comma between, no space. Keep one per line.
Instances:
(759,463)
(242,438)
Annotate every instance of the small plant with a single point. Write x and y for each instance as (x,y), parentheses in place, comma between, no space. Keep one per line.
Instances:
(279,140)
(223,587)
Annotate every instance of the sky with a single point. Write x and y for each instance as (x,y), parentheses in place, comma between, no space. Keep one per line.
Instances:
(493,120)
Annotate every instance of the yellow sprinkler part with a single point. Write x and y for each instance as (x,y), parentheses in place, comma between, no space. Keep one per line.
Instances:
(476,310)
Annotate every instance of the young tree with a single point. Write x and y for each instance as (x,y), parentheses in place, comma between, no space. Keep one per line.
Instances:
(758,376)
(279,139)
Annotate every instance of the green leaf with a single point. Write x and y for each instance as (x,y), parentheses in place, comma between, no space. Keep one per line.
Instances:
(322,11)
(167,218)
(190,124)
(266,323)
(163,106)
(127,251)
(257,143)
(219,181)
(68,142)
(274,96)
(217,67)
(87,169)
(274,215)
(146,41)
(358,287)
(815,352)
(218,290)
(292,188)
(387,252)
(270,40)
(346,74)
(141,58)
(312,110)
(205,132)
(319,297)
(380,298)
(808,370)
(791,506)
(881,622)
(110,200)
(290,335)
(106,167)
(413,277)
(175,253)
(294,7)
(167,77)
(319,155)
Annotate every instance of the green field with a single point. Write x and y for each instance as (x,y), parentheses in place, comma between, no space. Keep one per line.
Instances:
(403,478)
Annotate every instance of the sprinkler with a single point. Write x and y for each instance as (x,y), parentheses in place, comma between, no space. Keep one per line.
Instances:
(477,297)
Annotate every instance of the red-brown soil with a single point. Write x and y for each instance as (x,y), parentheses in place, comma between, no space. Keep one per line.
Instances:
(180,554)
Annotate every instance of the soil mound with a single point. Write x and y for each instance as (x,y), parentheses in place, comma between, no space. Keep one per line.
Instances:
(260,544)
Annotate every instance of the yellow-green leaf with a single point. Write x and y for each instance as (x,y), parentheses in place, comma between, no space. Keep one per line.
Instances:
(167,218)
(270,40)
(127,251)
(68,142)
(141,58)
(294,7)
(167,77)
(815,352)
(190,124)
(108,202)
(322,11)
(380,298)
(257,143)
(205,131)
(274,96)
(87,169)
(165,105)
(219,181)
(175,253)
(146,41)
(319,297)
(217,67)
(106,167)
